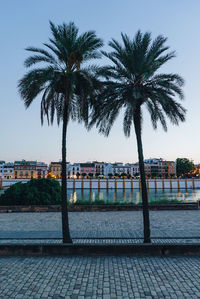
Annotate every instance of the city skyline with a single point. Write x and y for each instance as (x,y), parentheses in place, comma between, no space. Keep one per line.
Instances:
(21,132)
(93,161)
(37,169)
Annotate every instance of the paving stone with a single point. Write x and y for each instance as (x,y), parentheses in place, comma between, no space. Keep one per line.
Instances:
(100,277)
(118,224)
(149,277)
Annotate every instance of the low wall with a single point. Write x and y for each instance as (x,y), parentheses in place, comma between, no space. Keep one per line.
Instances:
(98,208)
(98,250)
(122,184)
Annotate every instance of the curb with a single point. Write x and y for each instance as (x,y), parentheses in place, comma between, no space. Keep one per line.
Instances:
(98,208)
(99,250)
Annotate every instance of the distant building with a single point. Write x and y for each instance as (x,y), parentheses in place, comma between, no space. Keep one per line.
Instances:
(1,168)
(159,168)
(120,168)
(25,169)
(41,168)
(87,168)
(131,169)
(6,170)
(55,169)
(29,169)
(99,168)
(135,169)
(75,170)
(108,169)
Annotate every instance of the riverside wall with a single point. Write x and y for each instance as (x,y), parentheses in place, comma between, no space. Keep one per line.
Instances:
(164,184)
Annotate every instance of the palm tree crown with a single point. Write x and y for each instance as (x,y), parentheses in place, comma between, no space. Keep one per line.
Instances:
(132,81)
(64,76)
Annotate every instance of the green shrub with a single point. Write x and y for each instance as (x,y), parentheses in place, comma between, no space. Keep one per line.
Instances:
(34,192)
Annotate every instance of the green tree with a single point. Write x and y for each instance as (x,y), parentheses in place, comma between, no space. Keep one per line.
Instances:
(67,85)
(34,192)
(183,166)
(132,81)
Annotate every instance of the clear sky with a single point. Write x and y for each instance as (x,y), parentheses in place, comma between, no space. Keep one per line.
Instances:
(26,23)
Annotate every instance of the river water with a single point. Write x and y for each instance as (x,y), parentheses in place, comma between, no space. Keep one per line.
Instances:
(133,196)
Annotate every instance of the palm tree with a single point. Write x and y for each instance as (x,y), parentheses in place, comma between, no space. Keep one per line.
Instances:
(132,82)
(66,84)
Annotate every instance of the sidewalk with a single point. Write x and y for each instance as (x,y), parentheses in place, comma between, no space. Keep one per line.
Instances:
(99,277)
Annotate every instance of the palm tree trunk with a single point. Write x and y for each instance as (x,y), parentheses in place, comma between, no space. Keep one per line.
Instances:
(65,221)
(138,132)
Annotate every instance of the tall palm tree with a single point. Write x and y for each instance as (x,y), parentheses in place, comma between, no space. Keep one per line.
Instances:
(66,83)
(131,82)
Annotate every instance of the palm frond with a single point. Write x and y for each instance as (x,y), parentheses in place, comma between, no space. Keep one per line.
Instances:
(63,79)
(132,79)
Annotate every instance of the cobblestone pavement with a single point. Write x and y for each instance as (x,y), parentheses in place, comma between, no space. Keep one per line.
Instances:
(121,224)
(99,277)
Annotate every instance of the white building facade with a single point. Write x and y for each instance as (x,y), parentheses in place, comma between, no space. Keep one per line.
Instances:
(42,169)
(108,170)
(120,169)
(6,170)
(74,170)
(135,170)
(99,167)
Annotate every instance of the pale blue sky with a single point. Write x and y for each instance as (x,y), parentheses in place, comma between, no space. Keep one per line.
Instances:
(25,23)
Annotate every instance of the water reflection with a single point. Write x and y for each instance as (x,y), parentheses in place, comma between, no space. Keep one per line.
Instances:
(133,196)
(114,195)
